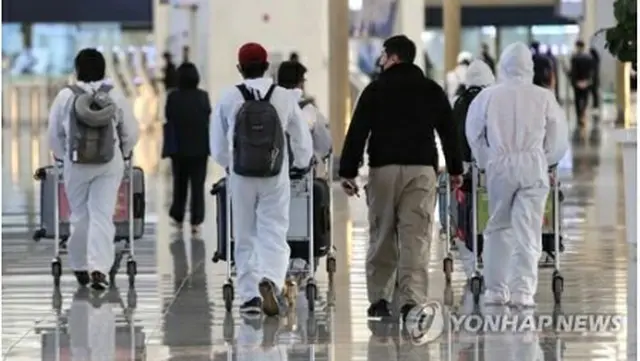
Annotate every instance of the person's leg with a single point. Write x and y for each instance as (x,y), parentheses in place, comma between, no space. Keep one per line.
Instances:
(499,236)
(527,217)
(180,174)
(273,250)
(416,206)
(243,209)
(77,193)
(382,255)
(197,176)
(577,104)
(595,93)
(103,197)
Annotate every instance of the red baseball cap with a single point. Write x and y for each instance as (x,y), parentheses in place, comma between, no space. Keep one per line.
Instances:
(252,53)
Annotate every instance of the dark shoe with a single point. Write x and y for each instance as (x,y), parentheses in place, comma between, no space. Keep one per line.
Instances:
(253,307)
(404,311)
(82,277)
(273,303)
(99,281)
(379,309)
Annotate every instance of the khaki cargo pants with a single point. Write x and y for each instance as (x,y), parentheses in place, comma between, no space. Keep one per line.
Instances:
(401,201)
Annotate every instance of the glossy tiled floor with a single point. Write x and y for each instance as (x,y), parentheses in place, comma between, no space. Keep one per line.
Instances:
(176,311)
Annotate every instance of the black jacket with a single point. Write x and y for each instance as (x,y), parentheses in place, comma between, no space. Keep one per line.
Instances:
(187,112)
(581,67)
(398,114)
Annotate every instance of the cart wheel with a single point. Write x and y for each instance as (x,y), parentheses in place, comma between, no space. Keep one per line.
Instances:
(311,293)
(448,296)
(331,264)
(132,271)
(476,288)
(56,271)
(227,295)
(557,285)
(447,268)
(39,234)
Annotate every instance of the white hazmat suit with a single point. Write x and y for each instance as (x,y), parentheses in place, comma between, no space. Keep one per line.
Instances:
(260,206)
(457,76)
(320,133)
(478,75)
(516,130)
(92,190)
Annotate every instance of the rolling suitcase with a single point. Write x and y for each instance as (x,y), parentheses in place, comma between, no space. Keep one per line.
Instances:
(48,183)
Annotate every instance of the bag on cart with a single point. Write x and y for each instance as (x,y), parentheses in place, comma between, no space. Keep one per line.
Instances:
(464,201)
(48,184)
(296,237)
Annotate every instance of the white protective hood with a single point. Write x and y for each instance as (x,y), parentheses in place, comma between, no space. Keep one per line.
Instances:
(479,74)
(516,64)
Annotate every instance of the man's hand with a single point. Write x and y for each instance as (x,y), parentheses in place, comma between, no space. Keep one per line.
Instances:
(456,181)
(350,187)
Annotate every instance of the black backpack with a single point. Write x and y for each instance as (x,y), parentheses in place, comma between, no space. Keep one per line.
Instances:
(460,108)
(258,137)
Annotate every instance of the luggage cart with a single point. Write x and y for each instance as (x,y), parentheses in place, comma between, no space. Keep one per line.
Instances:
(300,188)
(447,262)
(557,280)
(135,206)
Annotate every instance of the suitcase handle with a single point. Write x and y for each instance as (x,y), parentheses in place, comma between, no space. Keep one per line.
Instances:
(138,205)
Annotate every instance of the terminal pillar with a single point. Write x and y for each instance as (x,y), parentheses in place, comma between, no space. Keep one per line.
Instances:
(161,30)
(452,27)
(410,21)
(623,94)
(339,96)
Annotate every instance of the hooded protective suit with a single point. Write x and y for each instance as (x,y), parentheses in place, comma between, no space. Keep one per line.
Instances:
(478,75)
(260,210)
(516,130)
(457,76)
(92,189)
(318,124)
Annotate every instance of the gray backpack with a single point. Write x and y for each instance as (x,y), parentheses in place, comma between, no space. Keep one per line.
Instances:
(258,137)
(92,126)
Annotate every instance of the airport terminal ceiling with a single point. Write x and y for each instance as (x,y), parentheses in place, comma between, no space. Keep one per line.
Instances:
(139,13)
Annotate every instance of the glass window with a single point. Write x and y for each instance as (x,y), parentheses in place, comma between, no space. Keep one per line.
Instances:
(509,35)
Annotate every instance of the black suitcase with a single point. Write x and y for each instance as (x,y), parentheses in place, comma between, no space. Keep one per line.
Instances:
(299,247)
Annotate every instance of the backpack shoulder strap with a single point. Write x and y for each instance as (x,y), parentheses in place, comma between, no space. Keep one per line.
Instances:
(105,88)
(76,89)
(303,103)
(267,96)
(246,94)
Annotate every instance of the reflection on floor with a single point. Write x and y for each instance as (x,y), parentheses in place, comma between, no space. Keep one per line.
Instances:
(176,311)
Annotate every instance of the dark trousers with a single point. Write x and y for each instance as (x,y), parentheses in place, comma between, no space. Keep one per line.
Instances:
(188,172)
(595,93)
(581,100)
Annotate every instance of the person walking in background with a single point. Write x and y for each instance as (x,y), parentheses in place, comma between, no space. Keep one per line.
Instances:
(485,55)
(291,75)
(397,115)
(581,76)
(170,77)
(554,63)
(454,84)
(186,142)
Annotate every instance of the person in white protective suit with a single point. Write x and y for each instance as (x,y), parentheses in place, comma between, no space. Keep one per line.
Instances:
(291,75)
(479,76)
(260,206)
(516,131)
(91,189)
(454,80)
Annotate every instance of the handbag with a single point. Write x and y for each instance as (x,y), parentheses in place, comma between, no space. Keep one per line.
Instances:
(169,140)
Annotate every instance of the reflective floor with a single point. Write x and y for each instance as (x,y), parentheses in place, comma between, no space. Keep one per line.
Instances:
(176,311)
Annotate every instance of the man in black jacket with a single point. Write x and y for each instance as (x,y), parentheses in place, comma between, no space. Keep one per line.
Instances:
(397,114)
